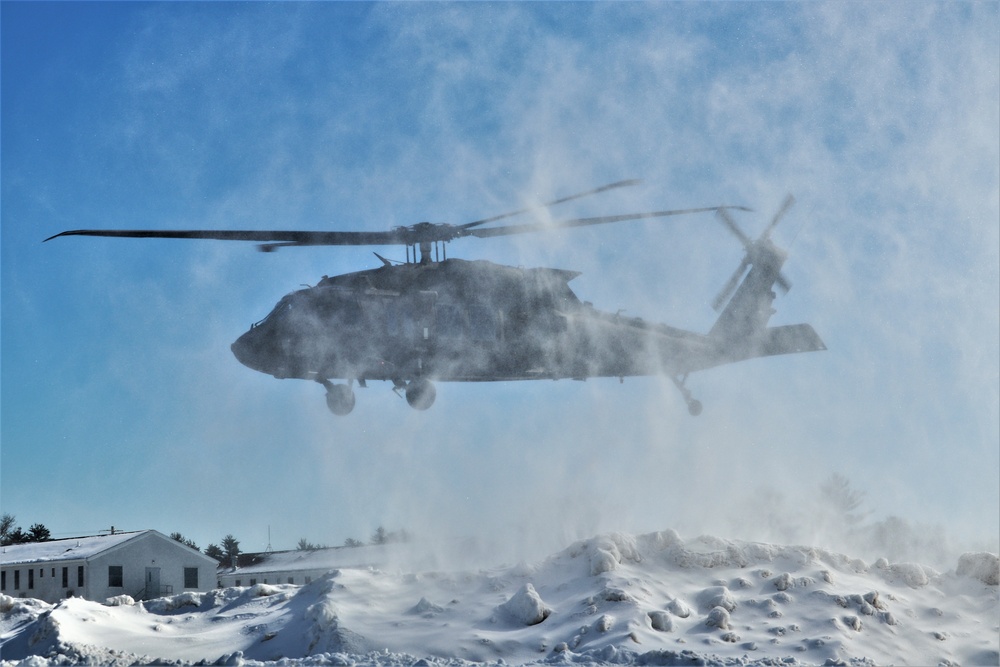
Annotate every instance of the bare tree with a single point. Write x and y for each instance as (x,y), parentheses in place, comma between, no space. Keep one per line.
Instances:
(8,524)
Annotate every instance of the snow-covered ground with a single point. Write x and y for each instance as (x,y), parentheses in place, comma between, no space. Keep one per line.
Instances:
(622,599)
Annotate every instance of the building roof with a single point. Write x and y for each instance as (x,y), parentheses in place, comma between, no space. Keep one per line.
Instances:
(329,558)
(75,548)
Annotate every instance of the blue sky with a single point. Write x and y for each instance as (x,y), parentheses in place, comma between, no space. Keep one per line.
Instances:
(121,403)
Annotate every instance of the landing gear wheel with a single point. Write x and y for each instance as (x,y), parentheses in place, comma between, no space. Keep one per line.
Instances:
(420,394)
(339,398)
(694,405)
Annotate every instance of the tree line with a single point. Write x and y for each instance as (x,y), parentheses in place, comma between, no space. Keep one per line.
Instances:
(226,551)
(11,533)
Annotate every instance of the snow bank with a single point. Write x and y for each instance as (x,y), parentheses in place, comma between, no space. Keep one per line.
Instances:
(525,607)
(982,566)
(617,599)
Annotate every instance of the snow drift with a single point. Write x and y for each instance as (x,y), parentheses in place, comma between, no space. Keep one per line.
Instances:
(649,599)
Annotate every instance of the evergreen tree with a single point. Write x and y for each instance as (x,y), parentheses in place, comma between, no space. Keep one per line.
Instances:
(213,551)
(17,536)
(185,541)
(39,533)
(231,547)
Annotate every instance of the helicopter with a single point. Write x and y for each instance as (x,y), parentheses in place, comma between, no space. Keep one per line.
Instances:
(435,319)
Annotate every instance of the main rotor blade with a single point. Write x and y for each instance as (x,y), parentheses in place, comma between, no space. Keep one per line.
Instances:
(723,215)
(583,222)
(603,188)
(275,237)
(783,283)
(785,205)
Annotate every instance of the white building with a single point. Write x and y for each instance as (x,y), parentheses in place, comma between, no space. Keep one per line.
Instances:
(144,564)
(303,566)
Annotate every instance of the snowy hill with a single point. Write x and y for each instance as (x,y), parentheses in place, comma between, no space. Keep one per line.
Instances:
(649,599)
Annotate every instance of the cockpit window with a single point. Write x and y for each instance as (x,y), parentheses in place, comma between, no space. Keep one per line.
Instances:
(284,306)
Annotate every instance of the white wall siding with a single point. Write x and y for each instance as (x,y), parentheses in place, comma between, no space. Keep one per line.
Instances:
(42,577)
(44,580)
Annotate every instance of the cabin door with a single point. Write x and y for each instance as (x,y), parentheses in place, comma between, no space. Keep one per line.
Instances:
(152,583)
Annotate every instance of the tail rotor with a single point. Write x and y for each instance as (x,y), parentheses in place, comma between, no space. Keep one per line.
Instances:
(759,252)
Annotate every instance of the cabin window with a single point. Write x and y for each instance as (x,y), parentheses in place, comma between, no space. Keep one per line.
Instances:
(349,313)
(65,577)
(116,578)
(291,580)
(79,576)
(238,583)
(190,577)
(3,580)
(253,582)
(400,320)
(17,579)
(31,578)
(449,322)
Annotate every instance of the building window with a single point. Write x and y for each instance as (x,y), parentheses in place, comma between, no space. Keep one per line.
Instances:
(115,577)
(291,580)
(190,577)
(3,580)
(253,582)
(309,580)
(65,577)
(17,579)
(79,576)
(31,578)
(237,583)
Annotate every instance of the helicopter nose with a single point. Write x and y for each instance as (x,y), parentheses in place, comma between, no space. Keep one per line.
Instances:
(247,350)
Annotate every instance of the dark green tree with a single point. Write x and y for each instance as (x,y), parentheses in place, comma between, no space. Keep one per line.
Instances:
(185,541)
(213,551)
(231,547)
(17,536)
(39,533)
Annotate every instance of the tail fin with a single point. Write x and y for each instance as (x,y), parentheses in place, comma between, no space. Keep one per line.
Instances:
(742,324)
(749,308)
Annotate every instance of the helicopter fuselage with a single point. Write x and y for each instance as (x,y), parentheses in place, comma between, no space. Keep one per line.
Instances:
(463,321)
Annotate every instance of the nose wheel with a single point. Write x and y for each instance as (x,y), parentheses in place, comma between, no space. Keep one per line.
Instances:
(339,397)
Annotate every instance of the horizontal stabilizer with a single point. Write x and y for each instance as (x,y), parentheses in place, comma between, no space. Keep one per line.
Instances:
(790,339)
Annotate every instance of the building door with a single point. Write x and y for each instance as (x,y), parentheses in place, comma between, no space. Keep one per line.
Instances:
(152,583)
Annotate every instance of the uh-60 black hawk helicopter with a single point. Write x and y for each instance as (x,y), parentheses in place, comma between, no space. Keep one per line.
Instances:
(438,319)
